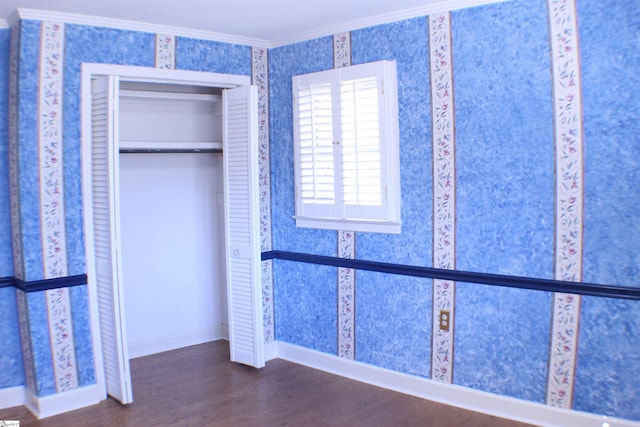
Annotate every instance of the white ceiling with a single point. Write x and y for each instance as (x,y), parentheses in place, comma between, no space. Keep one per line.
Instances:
(273,22)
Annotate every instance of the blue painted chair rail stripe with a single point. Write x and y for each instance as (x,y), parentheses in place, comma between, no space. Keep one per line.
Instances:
(43,285)
(6,282)
(547,285)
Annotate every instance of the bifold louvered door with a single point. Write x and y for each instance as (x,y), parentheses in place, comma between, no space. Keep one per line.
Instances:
(242,226)
(108,266)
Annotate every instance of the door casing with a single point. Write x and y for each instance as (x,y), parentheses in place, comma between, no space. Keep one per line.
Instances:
(137,74)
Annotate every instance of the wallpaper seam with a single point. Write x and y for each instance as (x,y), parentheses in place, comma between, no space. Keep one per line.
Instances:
(569,199)
(50,109)
(444,193)
(346,239)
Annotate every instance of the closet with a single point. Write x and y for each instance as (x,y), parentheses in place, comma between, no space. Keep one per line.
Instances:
(171,216)
(170,200)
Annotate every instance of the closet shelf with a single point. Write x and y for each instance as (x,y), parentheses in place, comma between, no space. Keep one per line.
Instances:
(170,146)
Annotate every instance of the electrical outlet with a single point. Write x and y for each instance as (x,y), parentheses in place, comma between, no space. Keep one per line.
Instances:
(444,320)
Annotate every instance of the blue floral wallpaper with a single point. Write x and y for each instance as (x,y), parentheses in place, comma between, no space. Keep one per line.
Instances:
(11,367)
(215,57)
(505,194)
(305,300)
(11,370)
(82,335)
(94,45)
(608,368)
(28,157)
(407,44)
(393,314)
(304,295)
(41,342)
(504,139)
(393,322)
(6,257)
(609,40)
(284,62)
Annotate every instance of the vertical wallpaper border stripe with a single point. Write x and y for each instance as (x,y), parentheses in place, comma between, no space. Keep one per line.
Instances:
(25,340)
(444,191)
(50,150)
(342,50)
(346,296)
(260,78)
(14,200)
(50,109)
(14,173)
(569,198)
(346,239)
(165,51)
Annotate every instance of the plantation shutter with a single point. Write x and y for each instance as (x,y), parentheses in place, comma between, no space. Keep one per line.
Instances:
(108,266)
(242,226)
(316,155)
(346,148)
(362,165)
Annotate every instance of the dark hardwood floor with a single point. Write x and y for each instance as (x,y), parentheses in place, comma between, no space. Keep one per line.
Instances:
(198,386)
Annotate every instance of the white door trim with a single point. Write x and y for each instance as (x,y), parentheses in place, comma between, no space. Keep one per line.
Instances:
(125,73)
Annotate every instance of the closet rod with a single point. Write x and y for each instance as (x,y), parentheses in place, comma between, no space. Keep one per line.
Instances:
(169,150)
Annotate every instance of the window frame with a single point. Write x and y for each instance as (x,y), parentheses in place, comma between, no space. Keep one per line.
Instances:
(340,215)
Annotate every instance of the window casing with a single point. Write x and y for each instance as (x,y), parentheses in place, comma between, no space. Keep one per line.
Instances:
(347,172)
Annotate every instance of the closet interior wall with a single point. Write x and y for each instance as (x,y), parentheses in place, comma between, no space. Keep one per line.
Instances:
(171,216)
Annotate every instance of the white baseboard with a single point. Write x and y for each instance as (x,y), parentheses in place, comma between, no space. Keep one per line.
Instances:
(47,406)
(145,348)
(12,396)
(270,351)
(461,397)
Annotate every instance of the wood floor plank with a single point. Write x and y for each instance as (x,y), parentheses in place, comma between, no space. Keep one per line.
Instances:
(198,386)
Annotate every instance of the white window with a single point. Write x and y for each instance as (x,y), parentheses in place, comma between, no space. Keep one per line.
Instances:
(347,171)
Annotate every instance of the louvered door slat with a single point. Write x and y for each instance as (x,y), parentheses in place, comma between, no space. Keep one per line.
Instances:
(246,337)
(110,301)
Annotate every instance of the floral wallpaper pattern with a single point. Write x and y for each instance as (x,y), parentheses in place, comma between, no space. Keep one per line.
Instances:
(260,78)
(346,296)
(62,342)
(50,150)
(52,203)
(165,51)
(444,190)
(569,203)
(346,239)
(342,50)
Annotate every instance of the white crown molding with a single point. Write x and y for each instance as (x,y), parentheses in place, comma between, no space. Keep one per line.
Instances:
(13,19)
(4,23)
(439,7)
(122,24)
(71,18)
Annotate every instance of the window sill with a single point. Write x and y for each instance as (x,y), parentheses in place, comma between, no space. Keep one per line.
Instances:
(388,227)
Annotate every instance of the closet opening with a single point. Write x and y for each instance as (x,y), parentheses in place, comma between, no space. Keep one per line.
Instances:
(171,227)
(171,216)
